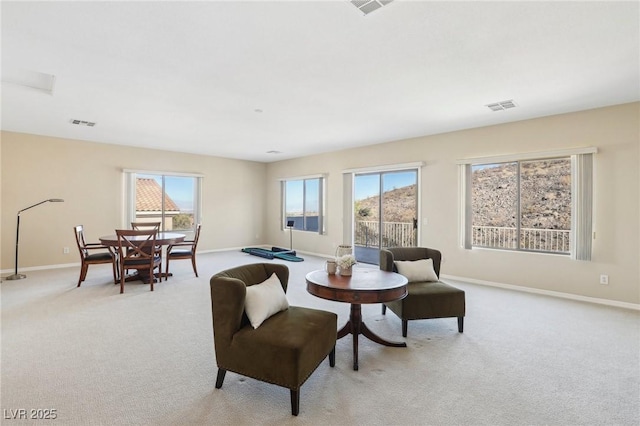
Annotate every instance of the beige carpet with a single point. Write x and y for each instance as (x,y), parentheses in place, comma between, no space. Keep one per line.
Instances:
(147,358)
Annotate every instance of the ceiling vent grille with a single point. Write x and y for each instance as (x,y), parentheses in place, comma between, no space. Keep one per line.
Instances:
(502,105)
(83,123)
(368,6)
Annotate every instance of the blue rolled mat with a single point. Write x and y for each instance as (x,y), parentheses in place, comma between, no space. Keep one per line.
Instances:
(278,252)
(267,254)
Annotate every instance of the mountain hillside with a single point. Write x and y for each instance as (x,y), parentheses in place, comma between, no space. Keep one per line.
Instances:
(546,195)
(399,204)
(546,201)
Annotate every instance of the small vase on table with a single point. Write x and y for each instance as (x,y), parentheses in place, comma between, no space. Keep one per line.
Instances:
(346,272)
(345,263)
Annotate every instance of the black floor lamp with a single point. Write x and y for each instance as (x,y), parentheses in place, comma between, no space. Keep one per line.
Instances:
(290,224)
(16,275)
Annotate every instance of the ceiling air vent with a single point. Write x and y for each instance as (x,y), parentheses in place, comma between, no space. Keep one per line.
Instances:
(83,123)
(368,6)
(502,105)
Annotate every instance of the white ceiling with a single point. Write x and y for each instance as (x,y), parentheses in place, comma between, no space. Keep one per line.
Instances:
(193,76)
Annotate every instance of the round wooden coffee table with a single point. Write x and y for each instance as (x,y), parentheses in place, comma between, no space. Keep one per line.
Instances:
(366,285)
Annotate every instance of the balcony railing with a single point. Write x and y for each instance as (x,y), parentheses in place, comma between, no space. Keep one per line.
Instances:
(402,234)
(548,240)
(394,234)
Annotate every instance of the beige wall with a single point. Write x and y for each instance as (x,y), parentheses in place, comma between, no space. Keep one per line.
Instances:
(614,131)
(242,199)
(89,177)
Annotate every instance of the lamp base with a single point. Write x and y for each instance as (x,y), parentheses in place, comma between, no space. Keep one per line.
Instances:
(15,277)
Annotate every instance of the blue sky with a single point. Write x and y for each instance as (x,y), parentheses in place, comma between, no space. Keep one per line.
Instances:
(295,191)
(365,186)
(179,188)
(369,185)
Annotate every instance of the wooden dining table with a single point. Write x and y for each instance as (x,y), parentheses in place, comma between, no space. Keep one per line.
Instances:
(366,285)
(162,239)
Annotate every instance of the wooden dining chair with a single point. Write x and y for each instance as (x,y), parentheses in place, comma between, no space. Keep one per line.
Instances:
(184,250)
(149,226)
(94,254)
(136,251)
(146,225)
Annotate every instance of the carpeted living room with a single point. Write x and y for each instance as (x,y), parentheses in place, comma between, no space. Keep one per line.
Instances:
(99,357)
(503,138)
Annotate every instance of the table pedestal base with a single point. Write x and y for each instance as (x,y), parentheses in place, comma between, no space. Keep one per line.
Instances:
(143,275)
(356,326)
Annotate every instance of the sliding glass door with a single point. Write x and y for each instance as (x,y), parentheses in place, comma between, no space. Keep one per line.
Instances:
(385,212)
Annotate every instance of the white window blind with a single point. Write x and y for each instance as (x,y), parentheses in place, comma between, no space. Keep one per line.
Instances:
(582,190)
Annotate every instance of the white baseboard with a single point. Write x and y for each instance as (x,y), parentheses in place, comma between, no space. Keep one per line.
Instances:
(559,294)
(40,268)
(626,305)
(77,264)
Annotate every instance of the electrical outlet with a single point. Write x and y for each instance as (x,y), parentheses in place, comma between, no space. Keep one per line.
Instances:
(604,279)
(65,250)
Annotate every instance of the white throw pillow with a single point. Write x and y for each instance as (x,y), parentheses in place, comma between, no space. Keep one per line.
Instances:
(417,270)
(265,299)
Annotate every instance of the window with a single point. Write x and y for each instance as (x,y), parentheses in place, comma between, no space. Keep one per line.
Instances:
(529,204)
(522,205)
(171,199)
(303,204)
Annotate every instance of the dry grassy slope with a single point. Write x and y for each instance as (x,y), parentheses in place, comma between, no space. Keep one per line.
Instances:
(399,205)
(546,203)
(546,200)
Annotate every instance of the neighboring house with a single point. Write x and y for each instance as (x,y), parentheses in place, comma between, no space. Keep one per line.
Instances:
(149,206)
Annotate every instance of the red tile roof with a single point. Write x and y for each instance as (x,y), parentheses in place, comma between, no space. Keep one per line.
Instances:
(149,197)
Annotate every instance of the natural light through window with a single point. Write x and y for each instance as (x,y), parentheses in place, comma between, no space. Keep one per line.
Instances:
(524,203)
(172,200)
(303,204)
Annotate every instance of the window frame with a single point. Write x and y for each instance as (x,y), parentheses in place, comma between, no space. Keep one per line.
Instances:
(322,183)
(130,176)
(581,235)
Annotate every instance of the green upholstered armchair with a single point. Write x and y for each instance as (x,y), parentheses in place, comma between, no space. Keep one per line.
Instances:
(285,349)
(426,299)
